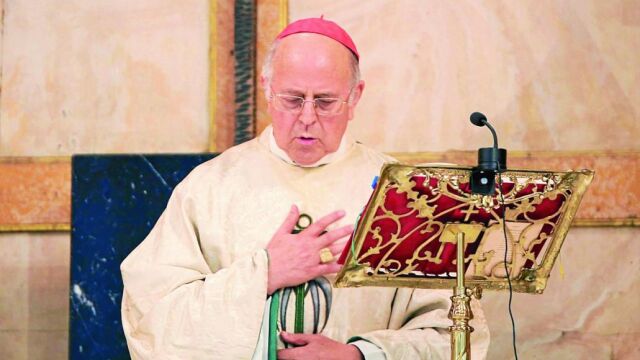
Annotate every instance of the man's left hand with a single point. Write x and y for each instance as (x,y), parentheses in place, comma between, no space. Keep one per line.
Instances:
(313,346)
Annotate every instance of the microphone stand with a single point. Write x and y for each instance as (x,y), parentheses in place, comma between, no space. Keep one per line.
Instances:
(460,311)
(491,162)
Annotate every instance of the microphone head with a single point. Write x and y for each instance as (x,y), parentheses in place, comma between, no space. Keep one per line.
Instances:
(478,119)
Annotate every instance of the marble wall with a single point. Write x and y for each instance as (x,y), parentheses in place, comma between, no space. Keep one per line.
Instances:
(132,76)
(104,76)
(550,75)
(34,303)
(589,309)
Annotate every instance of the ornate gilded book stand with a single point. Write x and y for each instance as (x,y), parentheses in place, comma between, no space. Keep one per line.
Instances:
(421,218)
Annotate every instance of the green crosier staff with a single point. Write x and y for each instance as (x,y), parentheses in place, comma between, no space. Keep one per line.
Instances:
(280,299)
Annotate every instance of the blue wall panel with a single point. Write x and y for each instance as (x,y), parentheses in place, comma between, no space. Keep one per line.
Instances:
(116,200)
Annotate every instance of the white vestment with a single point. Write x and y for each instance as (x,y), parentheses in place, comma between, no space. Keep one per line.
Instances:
(196,287)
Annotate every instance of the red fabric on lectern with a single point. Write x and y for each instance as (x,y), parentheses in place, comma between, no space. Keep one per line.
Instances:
(417,231)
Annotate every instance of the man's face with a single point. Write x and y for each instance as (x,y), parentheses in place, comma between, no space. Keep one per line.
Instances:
(311,66)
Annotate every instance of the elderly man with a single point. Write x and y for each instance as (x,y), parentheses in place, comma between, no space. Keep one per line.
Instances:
(215,277)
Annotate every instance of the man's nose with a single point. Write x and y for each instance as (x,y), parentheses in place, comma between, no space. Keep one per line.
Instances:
(308,113)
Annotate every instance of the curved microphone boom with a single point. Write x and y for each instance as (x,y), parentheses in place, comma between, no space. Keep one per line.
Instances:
(478,119)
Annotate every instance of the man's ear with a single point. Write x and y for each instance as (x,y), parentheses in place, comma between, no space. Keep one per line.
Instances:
(355,97)
(357,92)
(264,83)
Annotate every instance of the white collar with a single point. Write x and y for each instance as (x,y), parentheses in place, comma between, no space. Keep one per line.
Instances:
(345,144)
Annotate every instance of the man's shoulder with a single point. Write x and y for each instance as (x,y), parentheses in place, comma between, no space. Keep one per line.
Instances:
(230,159)
(374,155)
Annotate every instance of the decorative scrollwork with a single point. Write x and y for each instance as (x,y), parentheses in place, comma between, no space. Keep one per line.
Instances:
(404,233)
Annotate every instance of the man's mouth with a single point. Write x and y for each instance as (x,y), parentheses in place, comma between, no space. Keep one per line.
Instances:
(306,140)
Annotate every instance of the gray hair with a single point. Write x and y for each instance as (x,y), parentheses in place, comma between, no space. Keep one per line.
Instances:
(267,67)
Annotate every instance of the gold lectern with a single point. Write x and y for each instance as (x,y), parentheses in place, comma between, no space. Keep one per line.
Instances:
(421,221)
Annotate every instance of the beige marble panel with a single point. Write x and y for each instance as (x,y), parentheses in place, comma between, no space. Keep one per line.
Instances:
(1,38)
(13,344)
(33,345)
(550,75)
(590,310)
(104,76)
(48,345)
(48,272)
(34,301)
(14,279)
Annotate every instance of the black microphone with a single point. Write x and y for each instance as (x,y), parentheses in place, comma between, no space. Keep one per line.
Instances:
(478,119)
(491,160)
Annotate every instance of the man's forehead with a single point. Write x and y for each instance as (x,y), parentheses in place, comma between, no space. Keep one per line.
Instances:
(310,87)
(304,56)
(305,91)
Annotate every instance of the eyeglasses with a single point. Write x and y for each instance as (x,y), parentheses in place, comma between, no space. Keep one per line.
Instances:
(324,106)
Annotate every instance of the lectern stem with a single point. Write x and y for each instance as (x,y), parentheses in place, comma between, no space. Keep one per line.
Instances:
(460,311)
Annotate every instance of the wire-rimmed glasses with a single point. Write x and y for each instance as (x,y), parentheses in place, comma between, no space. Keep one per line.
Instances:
(323,106)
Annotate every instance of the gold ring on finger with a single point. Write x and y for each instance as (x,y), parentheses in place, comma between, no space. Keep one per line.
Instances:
(326,256)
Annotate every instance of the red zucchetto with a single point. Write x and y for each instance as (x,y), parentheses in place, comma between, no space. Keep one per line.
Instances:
(322,27)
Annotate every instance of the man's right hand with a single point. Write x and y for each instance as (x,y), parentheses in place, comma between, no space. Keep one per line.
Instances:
(295,258)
